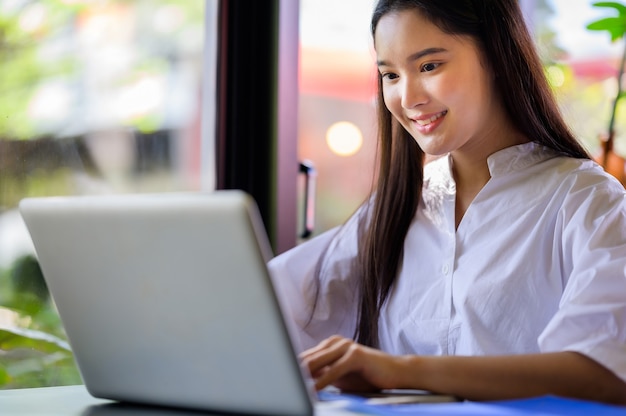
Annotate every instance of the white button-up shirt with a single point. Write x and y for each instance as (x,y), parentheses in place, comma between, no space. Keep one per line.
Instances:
(537,264)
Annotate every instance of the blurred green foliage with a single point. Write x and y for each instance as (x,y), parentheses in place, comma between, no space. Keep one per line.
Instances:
(32,55)
(23,66)
(33,348)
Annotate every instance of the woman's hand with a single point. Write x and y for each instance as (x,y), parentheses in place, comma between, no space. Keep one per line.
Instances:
(350,366)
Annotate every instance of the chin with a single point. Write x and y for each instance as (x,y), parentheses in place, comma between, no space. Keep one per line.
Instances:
(434,152)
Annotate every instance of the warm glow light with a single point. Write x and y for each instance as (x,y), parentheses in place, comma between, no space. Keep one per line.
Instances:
(556,76)
(344,138)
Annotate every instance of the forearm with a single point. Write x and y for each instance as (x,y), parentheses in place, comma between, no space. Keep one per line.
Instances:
(503,377)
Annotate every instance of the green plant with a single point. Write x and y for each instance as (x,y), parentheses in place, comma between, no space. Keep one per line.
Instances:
(33,349)
(616,26)
(32,358)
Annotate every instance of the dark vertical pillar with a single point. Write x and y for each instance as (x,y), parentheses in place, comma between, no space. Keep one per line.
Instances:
(257,108)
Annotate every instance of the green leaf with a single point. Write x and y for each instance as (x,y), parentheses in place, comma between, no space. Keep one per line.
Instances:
(13,338)
(616,25)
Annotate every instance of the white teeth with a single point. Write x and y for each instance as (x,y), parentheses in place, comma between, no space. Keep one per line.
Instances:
(430,120)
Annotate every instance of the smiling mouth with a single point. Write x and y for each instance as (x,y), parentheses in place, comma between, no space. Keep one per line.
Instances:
(430,120)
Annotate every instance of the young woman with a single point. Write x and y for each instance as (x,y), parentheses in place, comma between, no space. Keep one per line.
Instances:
(497,270)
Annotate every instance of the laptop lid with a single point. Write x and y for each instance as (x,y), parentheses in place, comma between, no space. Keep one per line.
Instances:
(166,300)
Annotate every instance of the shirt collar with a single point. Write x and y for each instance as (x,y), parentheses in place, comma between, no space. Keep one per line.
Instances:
(508,160)
(519,157)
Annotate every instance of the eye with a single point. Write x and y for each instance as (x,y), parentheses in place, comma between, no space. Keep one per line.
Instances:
(389,76)
(429,67)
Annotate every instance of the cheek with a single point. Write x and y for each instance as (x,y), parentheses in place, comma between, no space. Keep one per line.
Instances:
(477,91)
(392,101)
(445,89)
(476,101)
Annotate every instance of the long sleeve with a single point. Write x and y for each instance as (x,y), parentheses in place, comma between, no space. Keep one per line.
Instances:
(315,288)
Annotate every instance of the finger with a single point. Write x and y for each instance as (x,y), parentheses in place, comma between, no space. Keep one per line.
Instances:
(346,362)
(323,345)
(323,357)
(326,351)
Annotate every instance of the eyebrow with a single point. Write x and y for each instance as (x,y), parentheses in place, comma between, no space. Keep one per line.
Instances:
(417,55)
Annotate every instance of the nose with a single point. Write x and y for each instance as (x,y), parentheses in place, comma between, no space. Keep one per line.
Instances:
(413,93)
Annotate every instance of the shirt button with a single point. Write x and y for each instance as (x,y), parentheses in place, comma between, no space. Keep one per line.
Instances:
(445,269)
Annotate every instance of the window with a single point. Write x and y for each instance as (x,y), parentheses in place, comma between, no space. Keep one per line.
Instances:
(97,97)
(337,114)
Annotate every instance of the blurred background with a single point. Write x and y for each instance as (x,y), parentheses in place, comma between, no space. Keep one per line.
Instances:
(106,96)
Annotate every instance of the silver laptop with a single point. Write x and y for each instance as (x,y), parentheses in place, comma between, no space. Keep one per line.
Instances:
(166,300)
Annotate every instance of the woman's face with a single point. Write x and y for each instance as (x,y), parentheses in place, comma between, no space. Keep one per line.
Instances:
(436,85)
